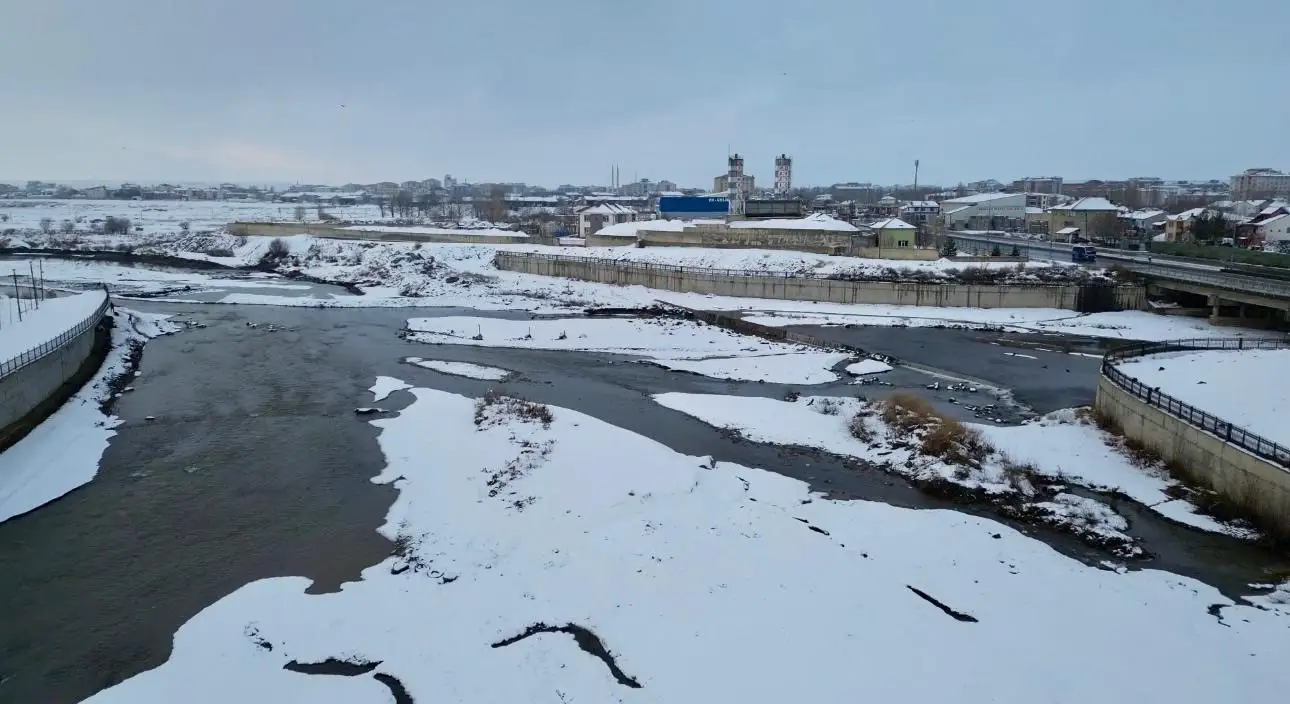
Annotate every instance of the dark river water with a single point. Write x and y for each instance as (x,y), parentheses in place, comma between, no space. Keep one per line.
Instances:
(256,466)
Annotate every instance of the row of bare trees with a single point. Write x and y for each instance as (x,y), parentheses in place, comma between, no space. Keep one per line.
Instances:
(404,204)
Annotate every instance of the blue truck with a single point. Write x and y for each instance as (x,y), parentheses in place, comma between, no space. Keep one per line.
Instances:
(1083,253)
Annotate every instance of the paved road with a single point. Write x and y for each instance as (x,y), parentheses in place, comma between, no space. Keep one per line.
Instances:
(1167,268)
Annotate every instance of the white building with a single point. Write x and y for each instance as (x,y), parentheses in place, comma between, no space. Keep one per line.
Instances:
(1275,229)
(783,174)
(593,218)
(894,233)
(1260,183)
(1148,220)
(919,212)
(985,211)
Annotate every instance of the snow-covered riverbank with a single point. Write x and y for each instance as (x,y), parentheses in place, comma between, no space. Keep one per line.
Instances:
(524,545)
(63,452)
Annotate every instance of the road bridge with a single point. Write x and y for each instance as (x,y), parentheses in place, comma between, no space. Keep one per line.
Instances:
(1222,288)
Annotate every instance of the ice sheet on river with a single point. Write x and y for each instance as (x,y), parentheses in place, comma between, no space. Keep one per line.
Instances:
(698,581)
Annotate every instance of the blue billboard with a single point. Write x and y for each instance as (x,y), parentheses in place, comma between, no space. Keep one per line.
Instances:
(692,207)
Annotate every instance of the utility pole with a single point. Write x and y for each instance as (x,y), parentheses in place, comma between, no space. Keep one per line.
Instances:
(17,298)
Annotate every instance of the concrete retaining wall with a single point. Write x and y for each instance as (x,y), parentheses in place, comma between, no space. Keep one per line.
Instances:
(720,236)
(1255,485)
(719,283)
(28,388)
(286,229)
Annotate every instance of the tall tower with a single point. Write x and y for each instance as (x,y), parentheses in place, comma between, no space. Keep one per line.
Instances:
(783,175)
(735,186)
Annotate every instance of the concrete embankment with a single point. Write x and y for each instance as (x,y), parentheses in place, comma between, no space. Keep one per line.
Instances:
(1200,448)
(345,232)
(1080,297)
(36,383)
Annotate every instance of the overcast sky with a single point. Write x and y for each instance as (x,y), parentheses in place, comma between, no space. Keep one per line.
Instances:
(555,92)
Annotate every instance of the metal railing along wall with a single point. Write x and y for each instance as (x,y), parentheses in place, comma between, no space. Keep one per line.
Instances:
(38,352)
(1240,437)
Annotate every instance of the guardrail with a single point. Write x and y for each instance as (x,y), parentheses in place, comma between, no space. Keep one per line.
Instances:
(1240,437)
(38,352)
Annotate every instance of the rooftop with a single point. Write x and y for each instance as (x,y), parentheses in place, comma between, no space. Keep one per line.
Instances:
(982,198)
(607,209)
(892,224)
(1094,204)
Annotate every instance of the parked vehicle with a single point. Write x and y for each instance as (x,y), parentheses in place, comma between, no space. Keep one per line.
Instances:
(1083,253)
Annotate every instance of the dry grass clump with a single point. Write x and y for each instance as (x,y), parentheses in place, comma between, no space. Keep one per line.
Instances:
(941,437)
(908,413)
(497,406)
(956,443)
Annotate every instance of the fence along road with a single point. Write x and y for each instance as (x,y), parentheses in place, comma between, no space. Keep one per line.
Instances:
(1250,442)
(47,348)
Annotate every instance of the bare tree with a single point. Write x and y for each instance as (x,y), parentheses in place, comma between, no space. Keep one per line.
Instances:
(184,226)
(493,207)
(47,225)
(67,227)
(116,226)
(402,204)
(300,213)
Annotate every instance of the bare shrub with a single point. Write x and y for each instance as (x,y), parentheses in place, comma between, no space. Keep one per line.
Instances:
(1141,454)
(500,406)
(124,247)
(67,227)
(277,250)
(1106,422)
(859,428)
(184,226)
(956,443)
(217,252)
(113,225)
(828,406)
(1018,475)
(907,412)
(47,225)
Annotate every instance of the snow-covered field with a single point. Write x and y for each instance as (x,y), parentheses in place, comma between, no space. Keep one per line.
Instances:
(162,216)
(1247,388)
(28,324)
(421,230)
(63,452)
(1059,446)
(1065,446)
(698,581)
(124,279)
